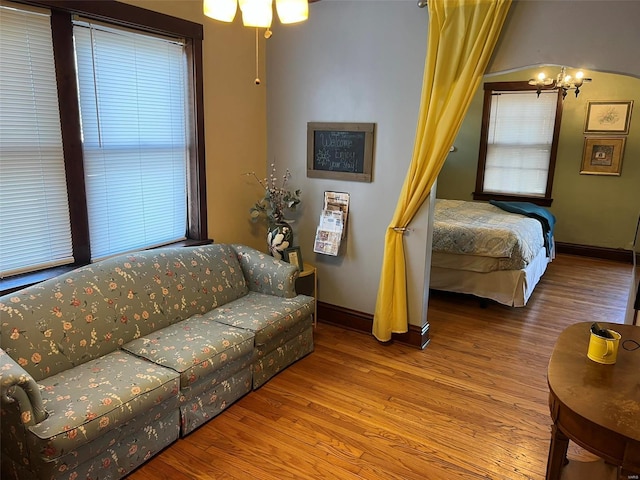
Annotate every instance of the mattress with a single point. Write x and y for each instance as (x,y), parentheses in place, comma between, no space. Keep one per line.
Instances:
(473,263)
(508,287)
(483,237)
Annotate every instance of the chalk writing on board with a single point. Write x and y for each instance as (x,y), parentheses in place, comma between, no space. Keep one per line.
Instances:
(339,151)
(342,151)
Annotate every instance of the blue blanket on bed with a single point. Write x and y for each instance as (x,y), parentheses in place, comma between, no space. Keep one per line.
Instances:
(544,216)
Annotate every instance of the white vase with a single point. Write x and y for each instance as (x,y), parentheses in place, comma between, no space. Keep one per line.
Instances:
(279,238)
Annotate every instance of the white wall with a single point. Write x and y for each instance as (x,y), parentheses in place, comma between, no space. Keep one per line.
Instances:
(601,35)
(362,61)
(352,61)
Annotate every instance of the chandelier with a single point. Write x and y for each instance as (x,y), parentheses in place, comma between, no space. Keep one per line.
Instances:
(563,81)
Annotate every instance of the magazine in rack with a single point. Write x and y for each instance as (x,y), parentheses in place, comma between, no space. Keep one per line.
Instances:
(333,220)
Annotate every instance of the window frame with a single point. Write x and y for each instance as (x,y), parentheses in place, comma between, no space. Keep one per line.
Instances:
(480,193)
(117,14)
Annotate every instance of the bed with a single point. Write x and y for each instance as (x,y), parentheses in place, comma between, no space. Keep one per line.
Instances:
(490,251)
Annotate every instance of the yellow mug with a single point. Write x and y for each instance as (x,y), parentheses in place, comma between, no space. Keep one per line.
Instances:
(604,350)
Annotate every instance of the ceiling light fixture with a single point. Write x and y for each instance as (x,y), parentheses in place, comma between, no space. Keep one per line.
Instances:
(563,81)
(258,14)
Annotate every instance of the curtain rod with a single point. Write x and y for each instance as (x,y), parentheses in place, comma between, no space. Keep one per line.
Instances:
(422,3)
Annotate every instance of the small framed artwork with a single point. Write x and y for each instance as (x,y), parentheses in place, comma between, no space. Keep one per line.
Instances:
(293,255)
(602,155)
(608,117)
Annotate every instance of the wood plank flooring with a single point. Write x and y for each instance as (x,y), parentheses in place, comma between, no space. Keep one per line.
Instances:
(472,405)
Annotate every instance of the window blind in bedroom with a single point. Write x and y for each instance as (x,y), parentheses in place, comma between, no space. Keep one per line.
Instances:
(519,142)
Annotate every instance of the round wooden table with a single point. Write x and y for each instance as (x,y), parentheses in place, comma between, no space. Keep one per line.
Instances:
(311,270)
(596,406)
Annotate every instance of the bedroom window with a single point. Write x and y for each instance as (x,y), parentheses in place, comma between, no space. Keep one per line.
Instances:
(123,165)
(518,143)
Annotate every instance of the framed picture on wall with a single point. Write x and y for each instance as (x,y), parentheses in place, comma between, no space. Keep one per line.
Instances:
(602,155)
(293,255)
(608,117)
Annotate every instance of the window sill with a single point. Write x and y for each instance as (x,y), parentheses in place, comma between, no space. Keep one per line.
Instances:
(543,202)
(18,282)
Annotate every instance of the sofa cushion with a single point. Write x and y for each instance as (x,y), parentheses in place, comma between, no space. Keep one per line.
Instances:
(265,315)
(88,400)
(194,347)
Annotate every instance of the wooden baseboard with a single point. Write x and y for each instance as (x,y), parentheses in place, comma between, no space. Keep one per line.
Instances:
(614,254)
(419,336)
(362,322)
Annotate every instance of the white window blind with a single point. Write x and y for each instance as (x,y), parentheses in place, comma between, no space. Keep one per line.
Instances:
(132,90)
(35,231)
(519,142)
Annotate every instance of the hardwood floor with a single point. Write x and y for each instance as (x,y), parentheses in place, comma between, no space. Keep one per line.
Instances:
(472,405)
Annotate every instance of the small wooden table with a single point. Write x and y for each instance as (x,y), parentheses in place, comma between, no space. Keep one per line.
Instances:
(311,270)
(596,406)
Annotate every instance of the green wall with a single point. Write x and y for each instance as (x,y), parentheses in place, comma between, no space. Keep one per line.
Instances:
(592,210)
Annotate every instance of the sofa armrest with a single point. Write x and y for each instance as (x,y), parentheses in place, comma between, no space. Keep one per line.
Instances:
(265,274)
(18,386)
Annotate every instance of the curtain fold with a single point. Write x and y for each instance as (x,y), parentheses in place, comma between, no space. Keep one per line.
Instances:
(461,38)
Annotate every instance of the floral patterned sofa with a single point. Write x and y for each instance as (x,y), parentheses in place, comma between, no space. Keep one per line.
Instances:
(108,364)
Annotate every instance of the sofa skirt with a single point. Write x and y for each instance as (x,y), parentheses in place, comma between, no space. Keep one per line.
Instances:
(281,352)
(200,405)
(113,462)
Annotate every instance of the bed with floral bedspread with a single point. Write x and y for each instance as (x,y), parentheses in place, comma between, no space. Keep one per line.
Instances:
(481,249)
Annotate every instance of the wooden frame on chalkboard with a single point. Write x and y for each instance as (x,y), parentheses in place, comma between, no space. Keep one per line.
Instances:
(341,151)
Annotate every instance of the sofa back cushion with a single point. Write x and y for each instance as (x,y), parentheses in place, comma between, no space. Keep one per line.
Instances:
(92,311)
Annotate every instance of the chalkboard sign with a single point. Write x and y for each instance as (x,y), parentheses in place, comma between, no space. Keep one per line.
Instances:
(342,151)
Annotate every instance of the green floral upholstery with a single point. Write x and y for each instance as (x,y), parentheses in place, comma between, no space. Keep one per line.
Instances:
(283,328)
(91,409)
(271,361)
(108,364)
(92,311)
(275,322)
(265,274)
(193,348)
(200,407)
(205,354)
(72,460)
(115,459)
(97,396)
(265,315)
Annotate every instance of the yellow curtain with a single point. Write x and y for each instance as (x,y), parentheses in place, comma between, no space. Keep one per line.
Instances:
(462,36)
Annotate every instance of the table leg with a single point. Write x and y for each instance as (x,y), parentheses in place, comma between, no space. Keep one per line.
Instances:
(315,296)
(557,453)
